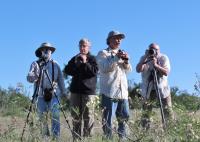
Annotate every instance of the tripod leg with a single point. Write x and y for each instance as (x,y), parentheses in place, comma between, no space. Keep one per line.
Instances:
(26,122)
(29,111)
(72,132)
(55,119)
(159,97)
(34,97)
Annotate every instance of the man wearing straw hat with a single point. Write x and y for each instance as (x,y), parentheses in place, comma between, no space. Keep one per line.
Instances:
(46,100)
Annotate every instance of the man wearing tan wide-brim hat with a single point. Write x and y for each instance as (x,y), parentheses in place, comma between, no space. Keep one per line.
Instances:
(44,46)
(47,100)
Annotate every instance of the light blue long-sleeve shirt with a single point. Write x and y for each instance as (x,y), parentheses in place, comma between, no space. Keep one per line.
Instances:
(34,73)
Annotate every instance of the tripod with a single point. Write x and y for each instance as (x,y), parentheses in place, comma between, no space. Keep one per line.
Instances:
(155,82)
(35,95)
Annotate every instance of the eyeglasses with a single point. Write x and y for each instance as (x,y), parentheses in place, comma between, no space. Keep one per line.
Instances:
(47,51)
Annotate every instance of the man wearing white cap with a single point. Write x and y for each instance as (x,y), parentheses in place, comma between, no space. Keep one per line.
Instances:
(46,100)
(113,65)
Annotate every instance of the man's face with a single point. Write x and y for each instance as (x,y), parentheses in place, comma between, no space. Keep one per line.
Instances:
(46,53)
(84,48)
(115,41)
(155,47)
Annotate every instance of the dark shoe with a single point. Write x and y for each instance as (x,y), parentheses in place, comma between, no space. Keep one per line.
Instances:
(145,123)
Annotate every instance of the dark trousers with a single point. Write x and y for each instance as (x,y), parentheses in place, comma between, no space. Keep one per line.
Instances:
(82,109)
(148,107)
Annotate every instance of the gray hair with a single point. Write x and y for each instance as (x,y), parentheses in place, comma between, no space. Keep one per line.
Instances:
(85,40)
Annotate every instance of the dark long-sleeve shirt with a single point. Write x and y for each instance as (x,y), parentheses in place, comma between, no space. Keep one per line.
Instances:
(84,75)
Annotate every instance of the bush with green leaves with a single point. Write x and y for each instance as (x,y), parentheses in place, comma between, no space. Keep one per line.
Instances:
(13,103)
(184,128)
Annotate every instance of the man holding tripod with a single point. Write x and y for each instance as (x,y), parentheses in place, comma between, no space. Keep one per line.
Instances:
(155,67)
(48,81)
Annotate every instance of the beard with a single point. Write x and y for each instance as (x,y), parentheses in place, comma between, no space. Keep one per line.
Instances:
(46,56)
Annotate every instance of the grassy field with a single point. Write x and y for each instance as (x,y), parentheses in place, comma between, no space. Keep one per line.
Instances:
(185,128)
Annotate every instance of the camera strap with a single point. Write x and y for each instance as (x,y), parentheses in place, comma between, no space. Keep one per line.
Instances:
(52,71)
(38,62)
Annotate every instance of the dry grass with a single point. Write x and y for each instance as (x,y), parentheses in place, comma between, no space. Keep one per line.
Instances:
(11,129)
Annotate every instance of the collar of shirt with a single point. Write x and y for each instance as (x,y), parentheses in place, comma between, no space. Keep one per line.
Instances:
(113,50)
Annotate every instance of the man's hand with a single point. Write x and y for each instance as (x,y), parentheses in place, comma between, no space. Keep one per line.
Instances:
(123,55)
(83,57)
(155,62)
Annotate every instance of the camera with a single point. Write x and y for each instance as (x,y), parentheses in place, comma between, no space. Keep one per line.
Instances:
(121,53)
(48,93)
(152,52)
(38,53)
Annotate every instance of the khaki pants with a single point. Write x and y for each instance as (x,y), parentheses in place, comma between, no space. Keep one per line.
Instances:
(82,109)
(148,106)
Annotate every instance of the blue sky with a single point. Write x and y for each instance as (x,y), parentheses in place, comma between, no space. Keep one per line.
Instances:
(173,24)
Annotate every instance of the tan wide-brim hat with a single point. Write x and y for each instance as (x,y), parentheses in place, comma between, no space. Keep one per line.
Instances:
(46,45)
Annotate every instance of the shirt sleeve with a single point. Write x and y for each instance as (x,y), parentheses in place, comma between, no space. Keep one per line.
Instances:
(60,81)
(33,73)
(71,68)
(165,62)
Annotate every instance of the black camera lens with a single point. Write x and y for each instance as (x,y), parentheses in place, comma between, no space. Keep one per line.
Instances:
(152,52)
(38,53)
(120,51)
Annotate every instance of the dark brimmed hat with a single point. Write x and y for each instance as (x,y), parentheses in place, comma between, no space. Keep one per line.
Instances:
(43,46)
(115,33)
